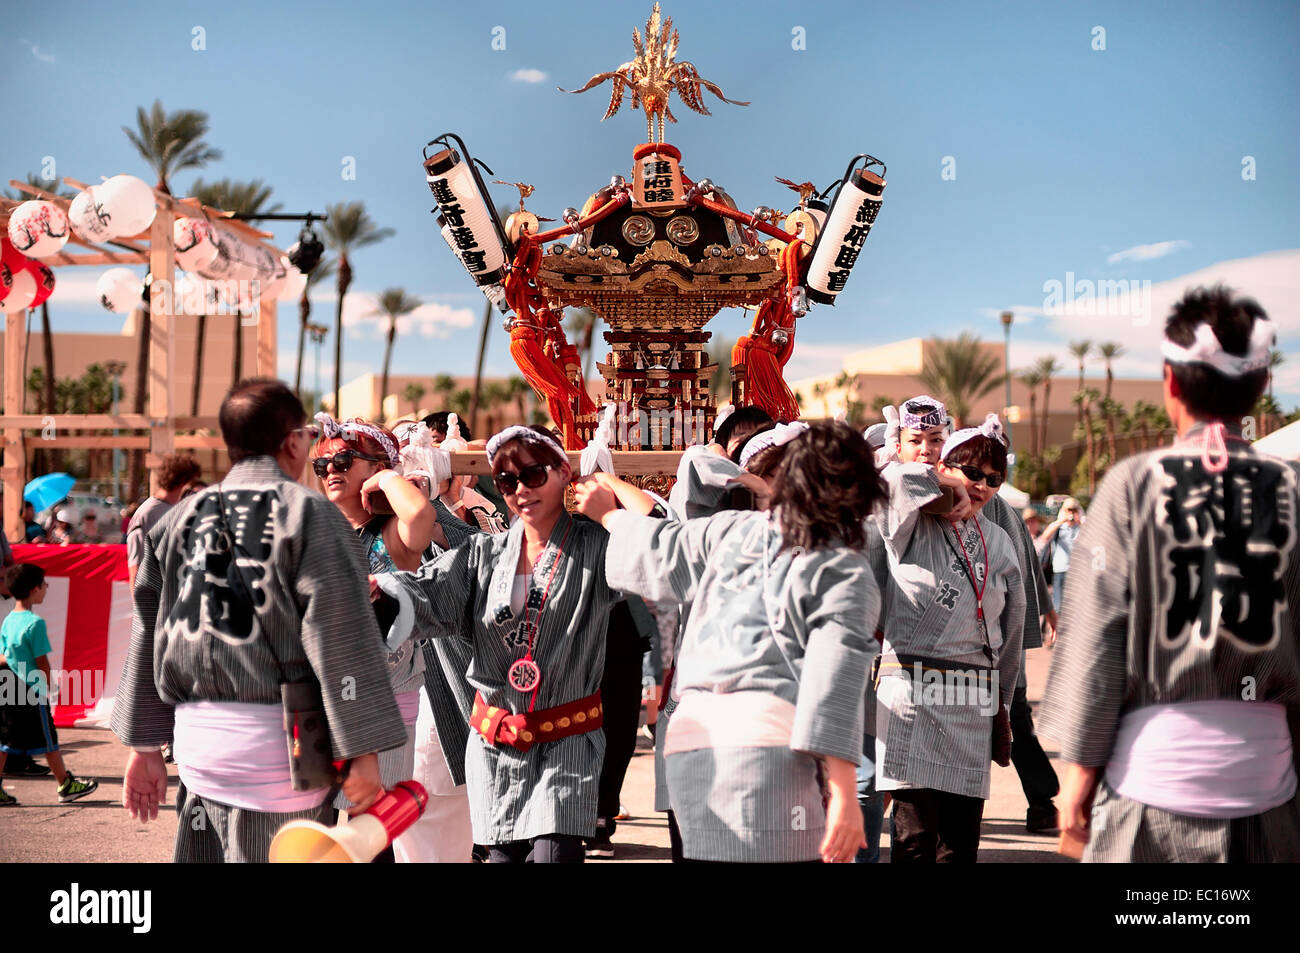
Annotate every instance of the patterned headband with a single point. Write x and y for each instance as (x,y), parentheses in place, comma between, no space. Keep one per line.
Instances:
(992,427)
(935,417)
(778,436)
(422,457)
(331,428)
(526,434)
(1207,349)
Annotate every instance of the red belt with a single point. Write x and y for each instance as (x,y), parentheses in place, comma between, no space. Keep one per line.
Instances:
(499,726)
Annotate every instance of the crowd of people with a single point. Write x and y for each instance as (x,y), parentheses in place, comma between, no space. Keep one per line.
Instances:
(837,621)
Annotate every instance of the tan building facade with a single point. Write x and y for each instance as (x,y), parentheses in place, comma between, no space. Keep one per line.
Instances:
(893,371)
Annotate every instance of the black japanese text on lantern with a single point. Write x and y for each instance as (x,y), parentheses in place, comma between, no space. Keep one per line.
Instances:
(462,236)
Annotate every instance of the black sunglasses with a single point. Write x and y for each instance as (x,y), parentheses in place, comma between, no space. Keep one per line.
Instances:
(975,475)
(342,462)
(531,477)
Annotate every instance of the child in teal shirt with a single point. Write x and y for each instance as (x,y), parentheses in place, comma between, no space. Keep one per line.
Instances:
(25,723)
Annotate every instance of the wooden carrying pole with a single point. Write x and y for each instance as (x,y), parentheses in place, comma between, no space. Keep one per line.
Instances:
(14,468)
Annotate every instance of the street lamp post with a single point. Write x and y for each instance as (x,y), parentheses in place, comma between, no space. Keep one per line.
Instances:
(1008,318)
(115,370)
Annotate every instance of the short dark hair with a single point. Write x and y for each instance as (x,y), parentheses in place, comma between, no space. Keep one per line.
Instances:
(177,469)
(826,487)
(256,416)
(23,579)
(745,436)
(742,422)
(979,451)
(1204,391)
(438,421)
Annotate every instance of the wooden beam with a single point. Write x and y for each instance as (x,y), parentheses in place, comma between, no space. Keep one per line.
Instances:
(97,443)
(13,469)
(76,421)
(266,328)
(162,340)
(626,462)
(199,442)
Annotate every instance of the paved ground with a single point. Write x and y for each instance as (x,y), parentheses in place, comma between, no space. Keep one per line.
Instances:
(98,829)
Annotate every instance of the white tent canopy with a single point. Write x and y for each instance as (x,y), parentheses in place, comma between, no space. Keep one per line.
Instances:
(1283,443)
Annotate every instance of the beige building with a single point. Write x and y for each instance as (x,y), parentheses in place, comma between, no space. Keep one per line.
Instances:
(892,371)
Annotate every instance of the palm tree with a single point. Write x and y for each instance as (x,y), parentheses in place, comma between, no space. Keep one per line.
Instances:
(1048,368)
(1051,456)
(1033,380)
(443,385)
(1162,424)
(879,403)
(819,391)
(1084,399)
(324,268)
(582,327)
(1110,350)
(1142,414)
(247,199)
(169,143)
(347,228)
(413,393)
(960,372)
(1081,349)
(519,389)
(1274,359)
(720,354)
(393,303)
(1111,410)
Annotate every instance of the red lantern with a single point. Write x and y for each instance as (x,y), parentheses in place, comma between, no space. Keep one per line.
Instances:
(44,276)
(6,279)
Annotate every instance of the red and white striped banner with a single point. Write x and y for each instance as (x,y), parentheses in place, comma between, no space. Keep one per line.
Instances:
(87,612)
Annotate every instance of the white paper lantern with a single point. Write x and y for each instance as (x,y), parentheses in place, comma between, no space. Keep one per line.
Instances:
(88,220)
(196,243)
(467,220)
(270,288)
(38,229)
(21,293)
(129,204)
(295,283)
(119,290)
(240,260)
(851,216)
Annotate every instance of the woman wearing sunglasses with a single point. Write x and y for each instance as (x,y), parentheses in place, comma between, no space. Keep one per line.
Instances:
(358,464)
(953,620)
(533,605)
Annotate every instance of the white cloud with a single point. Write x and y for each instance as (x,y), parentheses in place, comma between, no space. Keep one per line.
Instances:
(1146,252)
(37,52)
(526,76)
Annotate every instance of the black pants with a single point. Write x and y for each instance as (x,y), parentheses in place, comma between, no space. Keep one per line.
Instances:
(547,849)
(620,692)
(935,827)
(1037,777)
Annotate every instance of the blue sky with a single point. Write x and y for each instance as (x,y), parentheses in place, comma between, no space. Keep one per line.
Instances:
(1122,163)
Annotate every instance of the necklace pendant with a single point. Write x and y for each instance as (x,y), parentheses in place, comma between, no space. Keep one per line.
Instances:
(524,675)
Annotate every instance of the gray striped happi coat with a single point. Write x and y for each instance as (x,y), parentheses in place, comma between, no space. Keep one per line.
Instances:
(797,625)
(940,740)
(445,663)
(1184,586)
(191,640)
(465,594)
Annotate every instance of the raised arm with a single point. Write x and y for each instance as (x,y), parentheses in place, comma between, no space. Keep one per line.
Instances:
(439,600)
(661,560)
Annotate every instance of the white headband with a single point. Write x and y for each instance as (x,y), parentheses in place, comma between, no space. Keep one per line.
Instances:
(725,411)
(596,456)
(331,428)
(526,434)
(1208,349)
(936,417)
(778,436)
(992,427)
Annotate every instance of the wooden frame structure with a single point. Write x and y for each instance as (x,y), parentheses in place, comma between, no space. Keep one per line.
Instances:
(156,249)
